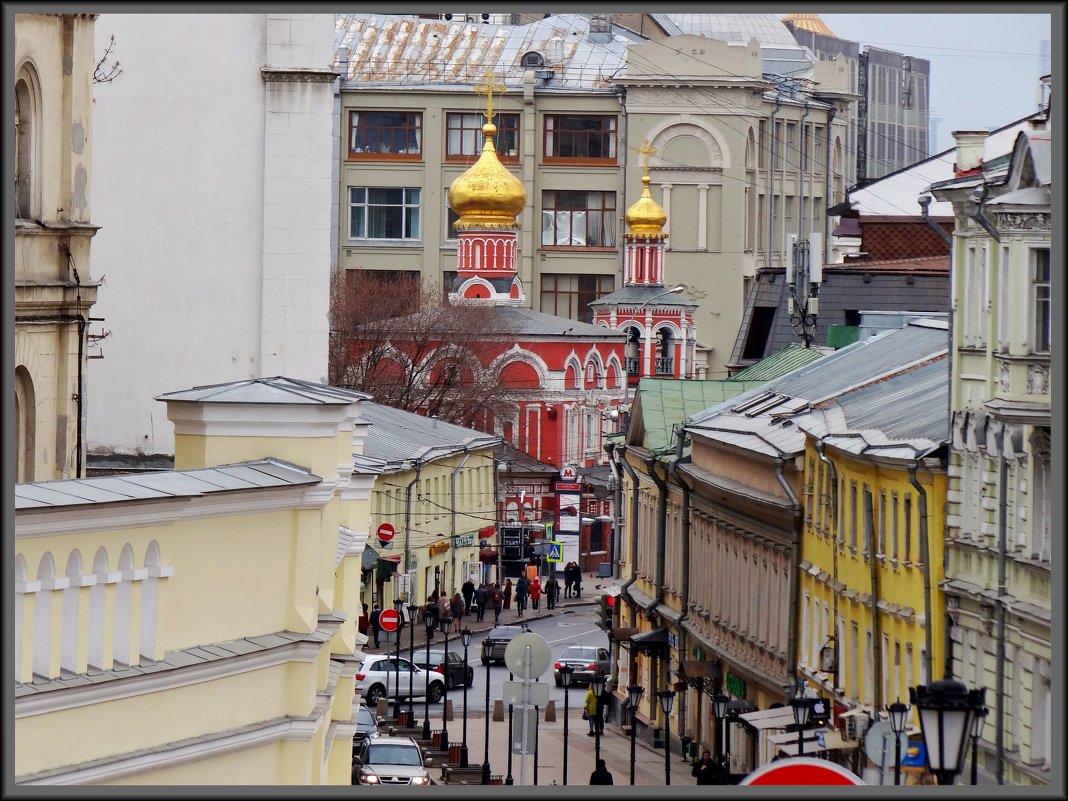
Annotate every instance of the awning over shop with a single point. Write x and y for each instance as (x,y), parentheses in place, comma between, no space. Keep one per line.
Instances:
(640,598)
(655,640)
(816,740)
(666,611)
(621,634)
(778,718)
(370,556)
(386,567)
(487,555)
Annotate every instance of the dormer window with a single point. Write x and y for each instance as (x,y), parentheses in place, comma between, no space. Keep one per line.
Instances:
(532,59)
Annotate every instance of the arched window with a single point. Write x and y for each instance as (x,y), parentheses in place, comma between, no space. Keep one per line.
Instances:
(27,131)
(68,656)
(25,425)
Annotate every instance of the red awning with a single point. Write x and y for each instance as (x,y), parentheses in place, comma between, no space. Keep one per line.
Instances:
(488,531)
(487,555)
(396,558)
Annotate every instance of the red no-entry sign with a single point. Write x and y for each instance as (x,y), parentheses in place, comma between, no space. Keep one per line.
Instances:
(801,771)
(386,532)
(389,620)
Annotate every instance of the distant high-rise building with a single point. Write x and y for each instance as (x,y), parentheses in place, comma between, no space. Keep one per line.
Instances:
(889,126)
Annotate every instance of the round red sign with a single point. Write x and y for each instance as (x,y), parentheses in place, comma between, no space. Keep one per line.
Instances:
(801,771)
(389,620)
(386,532)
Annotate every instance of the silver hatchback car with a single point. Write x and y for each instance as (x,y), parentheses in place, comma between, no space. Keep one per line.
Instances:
(585,661)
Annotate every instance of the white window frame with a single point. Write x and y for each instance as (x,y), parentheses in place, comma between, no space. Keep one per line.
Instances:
(1041,300)
(410,212)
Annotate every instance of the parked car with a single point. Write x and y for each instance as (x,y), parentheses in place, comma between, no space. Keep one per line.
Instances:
(497,640)
(586,661)
(454,675)
(367,725)
(390,761)
(377,678)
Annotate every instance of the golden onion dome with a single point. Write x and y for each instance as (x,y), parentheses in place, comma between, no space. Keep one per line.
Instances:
(487,195)
(646,217)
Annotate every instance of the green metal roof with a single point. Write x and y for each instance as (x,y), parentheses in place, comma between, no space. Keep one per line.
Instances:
(664,402)
(789,358)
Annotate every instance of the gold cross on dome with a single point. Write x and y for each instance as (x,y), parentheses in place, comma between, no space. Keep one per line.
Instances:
(645,150)
(487,89)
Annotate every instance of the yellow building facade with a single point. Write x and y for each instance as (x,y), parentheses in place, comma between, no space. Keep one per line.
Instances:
(199,625)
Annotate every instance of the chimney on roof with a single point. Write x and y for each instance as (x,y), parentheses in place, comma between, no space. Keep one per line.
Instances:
(970,147)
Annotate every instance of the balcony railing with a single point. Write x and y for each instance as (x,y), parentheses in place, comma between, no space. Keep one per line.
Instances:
(665,365)
(632,365)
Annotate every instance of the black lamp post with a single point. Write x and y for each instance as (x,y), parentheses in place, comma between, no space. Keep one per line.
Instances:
(635,693)
(802,710)
(899,718)
(444,723)
(485,755)
(667,701)
(413,610)
(429,622)
(978,720)
(398,604)
(719,704)
(945,709)
(565,677)
(597,685)
(465,638)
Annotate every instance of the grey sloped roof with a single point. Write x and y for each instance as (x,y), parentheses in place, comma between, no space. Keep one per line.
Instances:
(521,321)
(780,51)
(408,51)
(276,389)
(258,474)
(637,295)
(396,435)
(763,419)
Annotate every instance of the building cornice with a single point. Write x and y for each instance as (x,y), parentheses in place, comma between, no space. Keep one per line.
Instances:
(297,75)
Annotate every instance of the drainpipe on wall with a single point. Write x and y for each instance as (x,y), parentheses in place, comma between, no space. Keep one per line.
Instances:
(617,539)
(661,527)
(795,578)
(827,188)
(839,637)
(673,470)
(925,211)
(926,556)
(452,512)
(979,197)
(621,96)
(632,532)
(408,528)
(772,206)
(876,633)
(1003,511)
(801,236)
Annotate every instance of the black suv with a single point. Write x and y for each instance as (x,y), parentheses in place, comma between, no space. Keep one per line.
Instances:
(497,640)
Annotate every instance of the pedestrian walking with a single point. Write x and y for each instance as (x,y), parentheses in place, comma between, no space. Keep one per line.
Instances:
(457,611)
(497,599)
(601,775)
(604,707)
(507,593)
(481,599)
(373,622)
(521,590)
(589,711)
(363,625)
(708,770)
(468,591)
(431,609)
(444,613)
(552,592)
(535,594)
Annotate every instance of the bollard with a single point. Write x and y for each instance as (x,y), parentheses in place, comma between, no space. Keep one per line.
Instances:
(550,712)
(447,711)
(382,708)
(498,710)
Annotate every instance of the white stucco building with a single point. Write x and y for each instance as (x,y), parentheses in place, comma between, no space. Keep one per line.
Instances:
(212,188)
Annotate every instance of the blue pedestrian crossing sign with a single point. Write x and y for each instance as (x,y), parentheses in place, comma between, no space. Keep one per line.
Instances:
(556,552)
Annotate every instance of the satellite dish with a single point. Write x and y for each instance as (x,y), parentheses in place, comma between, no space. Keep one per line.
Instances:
(527,645)
(879,743)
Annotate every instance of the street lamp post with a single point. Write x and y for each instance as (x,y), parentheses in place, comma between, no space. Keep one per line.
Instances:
(565,677)
(465,638)
(597,685)
(413,609)
(444,722)
(485,755)
(667,701)
(899,716)
(977,730)
(802,710)
(399,606)
(945,710)
(719,704)
(428,621)
(635,693)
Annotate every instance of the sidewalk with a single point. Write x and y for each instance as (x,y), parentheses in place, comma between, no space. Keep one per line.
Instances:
(592,587)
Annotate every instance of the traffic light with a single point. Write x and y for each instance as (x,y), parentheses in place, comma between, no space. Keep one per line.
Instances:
(605,607)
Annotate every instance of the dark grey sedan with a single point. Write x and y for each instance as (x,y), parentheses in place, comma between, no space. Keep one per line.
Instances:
(497,640)
(585,661)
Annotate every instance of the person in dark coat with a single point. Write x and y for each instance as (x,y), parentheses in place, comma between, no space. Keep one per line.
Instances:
(481,599)
(497,599)
(552,592)
(507,593)
(521,594)
(468,592)
(601,775)
(376,614)
(708,770)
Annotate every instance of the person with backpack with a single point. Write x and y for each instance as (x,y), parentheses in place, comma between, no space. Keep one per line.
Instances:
(481,599)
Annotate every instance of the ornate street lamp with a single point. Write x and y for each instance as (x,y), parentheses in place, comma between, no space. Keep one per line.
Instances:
(597,685)
(719,704)
(444,723)
(399,606)
(413,610)
(565,677)
(634,693)
(945,709)
(465,638)
(802,710)
(978,721)
(667,701)
(429,622)
(899,718)
(485,755)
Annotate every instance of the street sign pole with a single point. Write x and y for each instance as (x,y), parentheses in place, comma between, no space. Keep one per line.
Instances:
(525,715)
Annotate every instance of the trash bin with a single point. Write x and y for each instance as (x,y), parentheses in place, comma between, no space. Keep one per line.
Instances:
(454,752)
(435,739)
(604,570)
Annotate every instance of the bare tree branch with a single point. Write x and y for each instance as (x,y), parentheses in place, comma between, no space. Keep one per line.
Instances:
(103,72)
